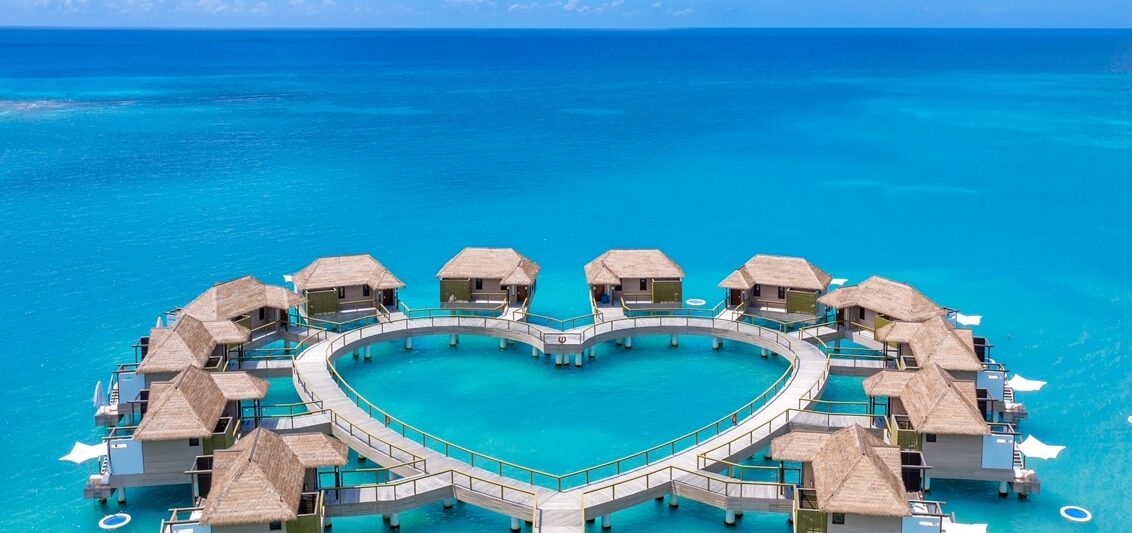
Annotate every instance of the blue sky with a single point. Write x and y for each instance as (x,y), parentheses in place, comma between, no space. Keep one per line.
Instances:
(567,13)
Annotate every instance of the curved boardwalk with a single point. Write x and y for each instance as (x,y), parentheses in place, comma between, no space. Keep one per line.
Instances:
(430,475)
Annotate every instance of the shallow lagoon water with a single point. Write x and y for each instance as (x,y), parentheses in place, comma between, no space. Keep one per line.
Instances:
(989,168)
(506,404)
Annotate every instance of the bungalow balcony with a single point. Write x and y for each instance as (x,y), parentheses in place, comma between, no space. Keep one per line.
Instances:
(309,520)
(133,463)
(925,516)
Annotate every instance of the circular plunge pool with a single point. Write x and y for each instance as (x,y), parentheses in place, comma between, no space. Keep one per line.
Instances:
(525,410)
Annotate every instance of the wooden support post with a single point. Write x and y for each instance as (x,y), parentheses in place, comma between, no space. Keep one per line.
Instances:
(675,341)
(408,343)
(578,359)
(515,525)
(605,522)
(729,518)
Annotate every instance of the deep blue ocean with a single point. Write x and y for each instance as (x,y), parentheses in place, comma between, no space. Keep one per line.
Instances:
(991,169)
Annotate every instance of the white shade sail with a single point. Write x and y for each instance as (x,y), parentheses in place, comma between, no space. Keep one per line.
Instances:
(85,452)
(1036,449)
(1021,384)
(968,320)
(838,281)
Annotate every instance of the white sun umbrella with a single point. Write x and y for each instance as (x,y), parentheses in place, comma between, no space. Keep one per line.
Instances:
(99,395)
(1037,449)
(85,452)
(838,281)
(968,320)
(1021,384)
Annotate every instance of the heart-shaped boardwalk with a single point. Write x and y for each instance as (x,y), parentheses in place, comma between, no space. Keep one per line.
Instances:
(432,469)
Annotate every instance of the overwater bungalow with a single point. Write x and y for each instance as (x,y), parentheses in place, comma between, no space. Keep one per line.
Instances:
(930,411)
(487,276)
(261,308)
(193,414)
(776,286)
(189,342)
(634,277)
(854,482)
(869,305)
(265,482)
(346,284)
(918,344)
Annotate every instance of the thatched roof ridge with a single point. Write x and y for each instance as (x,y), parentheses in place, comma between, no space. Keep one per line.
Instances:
(231,299)
(240,385)
(317,449)
(346,270)
(188,406)
(894,299)
(937,403)
(934,341)
(780,271)
(256,481)
(614,265)
(854,472)
(505,264)
(188,343)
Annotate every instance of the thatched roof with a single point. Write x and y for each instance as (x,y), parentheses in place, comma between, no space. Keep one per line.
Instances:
(188,406)
(240,386)
(256,481)
(317,449)
(231,299)
(777,270)
(894,299)
(612,266)
(888,383)
(854,472)
(799,446)
(346,270)
(934,340)
(189,343)
(505,264)
(935,401)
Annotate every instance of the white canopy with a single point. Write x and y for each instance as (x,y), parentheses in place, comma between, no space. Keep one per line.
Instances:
(1021,384)
(968,320)
(85,452)
(1035,448)
(838,281)
(953,527)
(287,278)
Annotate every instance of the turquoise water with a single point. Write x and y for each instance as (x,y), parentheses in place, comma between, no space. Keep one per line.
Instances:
(989,168)
(506,404)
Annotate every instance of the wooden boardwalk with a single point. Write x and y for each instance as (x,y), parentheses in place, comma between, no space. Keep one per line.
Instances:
(435,475)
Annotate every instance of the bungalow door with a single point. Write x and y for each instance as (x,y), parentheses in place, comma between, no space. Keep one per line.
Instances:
(520,293)
(388,298)
(736,296)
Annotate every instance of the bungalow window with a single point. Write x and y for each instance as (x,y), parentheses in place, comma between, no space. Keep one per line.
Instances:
(758,290)
(263,313)
(930,437)
(341,292)
(839,518)
(644,284)
(365,290)
(479,284)
(195,441)
(616,288)
(782,293)
(275,525)
(861,313)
